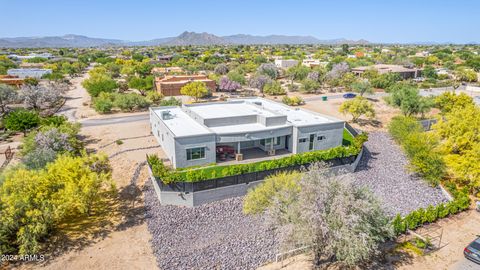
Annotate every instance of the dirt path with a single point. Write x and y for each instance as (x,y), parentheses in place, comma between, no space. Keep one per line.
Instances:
(458,232)
(76,105)
(118,237)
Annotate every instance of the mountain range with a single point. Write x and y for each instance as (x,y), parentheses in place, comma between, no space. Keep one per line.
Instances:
(185,38)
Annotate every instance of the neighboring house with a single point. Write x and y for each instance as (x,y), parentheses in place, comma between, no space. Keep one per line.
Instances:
(191,135)
(167,70)
(163,59)
(11,80)
(171,85)
(29,72)
(404,72)
(311,63)
(32,55)
(285,63)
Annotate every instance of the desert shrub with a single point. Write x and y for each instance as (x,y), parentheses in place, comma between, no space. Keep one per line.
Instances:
(273,88)
(130,102)
(34,202)
(21,120)
(293,101)
(171,102)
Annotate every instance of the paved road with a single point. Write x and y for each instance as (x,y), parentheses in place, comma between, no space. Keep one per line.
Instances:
(338,96)
(115,120)
(465,264)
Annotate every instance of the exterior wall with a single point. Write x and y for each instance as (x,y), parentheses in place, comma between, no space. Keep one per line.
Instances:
(333,137)
(227,121)
(184,143)
(254,135)
(167,141)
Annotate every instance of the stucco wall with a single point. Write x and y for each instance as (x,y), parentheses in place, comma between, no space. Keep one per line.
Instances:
(182,144)
(333,134)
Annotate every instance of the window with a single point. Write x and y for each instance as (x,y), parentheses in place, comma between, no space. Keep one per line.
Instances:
(302,140)
(195,153)
(321,138)
(162,137)
(262,142)
(277,141)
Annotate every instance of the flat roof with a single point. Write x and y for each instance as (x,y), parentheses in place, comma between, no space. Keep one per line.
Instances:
(180,123)
(296,116)
(228,109)
(260,106)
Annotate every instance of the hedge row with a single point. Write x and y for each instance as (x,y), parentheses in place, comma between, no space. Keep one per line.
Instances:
(431,214)
(204,173)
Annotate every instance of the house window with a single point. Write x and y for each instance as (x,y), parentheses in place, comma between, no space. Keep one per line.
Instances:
(162,137)
(320,138)
(195,153)
(302,140)
(277,141)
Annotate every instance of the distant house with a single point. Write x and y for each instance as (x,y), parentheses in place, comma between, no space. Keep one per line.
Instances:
(32,55)
(404,72)
(171,85)
(164,58)
(311,63)
(22,73)
(11,80)
(285,63)
(167,70)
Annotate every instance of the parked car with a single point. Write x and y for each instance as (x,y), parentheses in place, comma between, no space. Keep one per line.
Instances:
(349,95)
(472,251)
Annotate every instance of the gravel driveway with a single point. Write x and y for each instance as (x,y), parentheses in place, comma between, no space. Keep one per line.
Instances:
(219,236)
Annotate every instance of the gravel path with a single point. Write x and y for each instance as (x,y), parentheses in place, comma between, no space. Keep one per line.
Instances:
(219,236)
(383,169)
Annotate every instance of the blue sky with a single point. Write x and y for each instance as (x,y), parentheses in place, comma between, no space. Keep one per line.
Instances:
(378,21)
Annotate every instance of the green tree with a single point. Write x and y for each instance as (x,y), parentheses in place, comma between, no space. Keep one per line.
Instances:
(195,90)
(21,120)
(407,98)
(236,77)
(429,72)
(260,198)
(447,101)
(362,87)
(466,75)
(33,202)
(98,83)
(273,88)
(357,107)
(309,86)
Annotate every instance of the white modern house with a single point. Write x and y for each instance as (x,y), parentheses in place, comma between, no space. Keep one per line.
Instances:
(29,72)
(201,134)
(285,63)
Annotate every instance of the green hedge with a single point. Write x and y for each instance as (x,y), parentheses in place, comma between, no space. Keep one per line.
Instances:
(211,172)
(431,214)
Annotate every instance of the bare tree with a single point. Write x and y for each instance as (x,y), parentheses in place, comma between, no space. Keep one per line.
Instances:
(7,96)
(39,96)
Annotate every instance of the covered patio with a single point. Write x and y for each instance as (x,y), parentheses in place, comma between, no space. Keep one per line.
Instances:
(254,155)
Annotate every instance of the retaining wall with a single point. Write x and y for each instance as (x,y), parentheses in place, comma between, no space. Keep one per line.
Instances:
(193,194)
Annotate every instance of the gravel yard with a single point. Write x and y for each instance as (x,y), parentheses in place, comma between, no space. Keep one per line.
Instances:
(384,170)
(219,236)
(211,236)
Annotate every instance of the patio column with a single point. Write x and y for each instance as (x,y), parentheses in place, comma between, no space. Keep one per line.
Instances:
(238,147)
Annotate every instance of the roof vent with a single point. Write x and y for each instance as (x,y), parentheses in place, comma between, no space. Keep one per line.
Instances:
(166,115)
